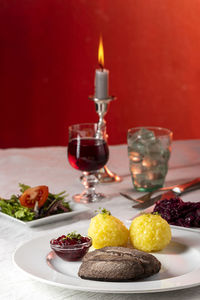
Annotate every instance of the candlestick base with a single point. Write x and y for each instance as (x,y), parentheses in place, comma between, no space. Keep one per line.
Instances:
(104,175)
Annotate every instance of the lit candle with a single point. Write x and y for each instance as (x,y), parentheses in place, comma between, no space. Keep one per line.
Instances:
(101,75)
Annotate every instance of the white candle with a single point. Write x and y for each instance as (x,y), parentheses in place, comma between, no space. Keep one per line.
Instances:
(101,83)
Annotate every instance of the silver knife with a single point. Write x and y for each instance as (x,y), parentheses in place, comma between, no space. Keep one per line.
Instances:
(168,195)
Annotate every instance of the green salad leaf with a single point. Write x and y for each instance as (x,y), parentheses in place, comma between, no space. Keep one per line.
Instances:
(13,208)
(23,187)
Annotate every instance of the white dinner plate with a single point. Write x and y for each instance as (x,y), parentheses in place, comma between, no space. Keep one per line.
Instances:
(180,266)
(76,209)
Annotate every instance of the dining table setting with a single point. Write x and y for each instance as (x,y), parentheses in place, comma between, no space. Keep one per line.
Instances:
(93,221)
(99,203)
(29,266)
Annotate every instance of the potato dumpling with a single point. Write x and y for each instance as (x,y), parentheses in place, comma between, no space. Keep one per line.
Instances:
(150,232)
(107,230)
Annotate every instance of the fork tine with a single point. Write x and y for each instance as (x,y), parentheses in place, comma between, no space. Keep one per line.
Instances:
(142,199)
(146,197)
(131,198)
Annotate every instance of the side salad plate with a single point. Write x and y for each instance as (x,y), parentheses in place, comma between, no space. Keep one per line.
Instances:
(76,209)
(35,206)
(180,266)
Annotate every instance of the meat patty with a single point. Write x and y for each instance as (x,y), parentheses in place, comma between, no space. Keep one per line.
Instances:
(118,264)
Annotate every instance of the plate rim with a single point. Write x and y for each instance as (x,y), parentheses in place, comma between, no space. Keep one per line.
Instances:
(51,218)
(62,281)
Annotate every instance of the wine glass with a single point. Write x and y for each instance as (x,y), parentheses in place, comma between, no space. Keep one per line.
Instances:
(88,152)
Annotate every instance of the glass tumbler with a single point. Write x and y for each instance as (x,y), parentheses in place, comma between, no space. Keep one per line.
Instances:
(149,151)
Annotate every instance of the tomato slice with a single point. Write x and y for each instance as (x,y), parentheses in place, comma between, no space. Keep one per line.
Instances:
(31,195)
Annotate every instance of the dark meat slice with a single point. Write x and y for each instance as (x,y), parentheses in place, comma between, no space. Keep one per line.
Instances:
(118,264)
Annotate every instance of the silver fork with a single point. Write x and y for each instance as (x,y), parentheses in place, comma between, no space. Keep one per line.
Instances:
(176,188)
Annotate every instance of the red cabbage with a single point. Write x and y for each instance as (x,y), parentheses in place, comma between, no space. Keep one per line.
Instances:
(177,212)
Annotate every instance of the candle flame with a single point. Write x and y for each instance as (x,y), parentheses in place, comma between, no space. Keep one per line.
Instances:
(101,53)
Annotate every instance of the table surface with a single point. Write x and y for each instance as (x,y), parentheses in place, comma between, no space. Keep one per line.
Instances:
(49,166)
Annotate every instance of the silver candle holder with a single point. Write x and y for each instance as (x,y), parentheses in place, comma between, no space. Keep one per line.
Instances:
(101,106)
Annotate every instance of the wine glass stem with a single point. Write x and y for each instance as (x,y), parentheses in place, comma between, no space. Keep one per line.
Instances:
(89,180)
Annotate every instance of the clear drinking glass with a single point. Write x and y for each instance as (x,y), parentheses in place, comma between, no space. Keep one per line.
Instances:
(149,151)
(88,152)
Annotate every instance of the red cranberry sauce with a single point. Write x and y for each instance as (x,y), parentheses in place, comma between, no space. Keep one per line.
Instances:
(66,241)
(71,248)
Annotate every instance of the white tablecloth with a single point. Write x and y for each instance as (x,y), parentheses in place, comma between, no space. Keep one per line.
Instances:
(49,166)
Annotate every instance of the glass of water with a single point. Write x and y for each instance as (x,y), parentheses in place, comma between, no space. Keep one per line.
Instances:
(149,151)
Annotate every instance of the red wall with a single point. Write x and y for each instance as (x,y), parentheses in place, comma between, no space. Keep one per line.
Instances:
(48,55)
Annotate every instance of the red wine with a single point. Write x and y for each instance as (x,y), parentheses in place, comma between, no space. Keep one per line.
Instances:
(88,154)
